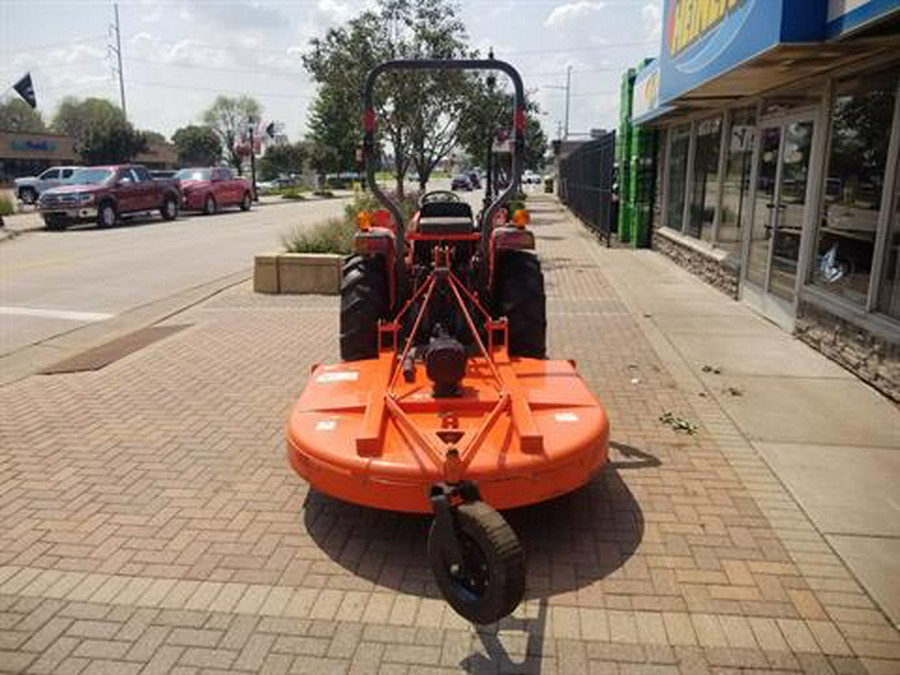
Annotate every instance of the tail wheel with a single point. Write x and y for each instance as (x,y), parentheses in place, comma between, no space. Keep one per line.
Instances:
(519,295)
(209,205)
(490,582)
(364,300)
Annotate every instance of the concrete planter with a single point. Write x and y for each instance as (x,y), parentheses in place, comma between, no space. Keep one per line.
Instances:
(295,273)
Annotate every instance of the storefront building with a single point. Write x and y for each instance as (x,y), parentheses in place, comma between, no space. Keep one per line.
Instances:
(30,154)
(777,173)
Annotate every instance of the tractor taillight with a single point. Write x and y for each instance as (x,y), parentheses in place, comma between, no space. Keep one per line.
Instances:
(516,238)
(364,220)
(521,218)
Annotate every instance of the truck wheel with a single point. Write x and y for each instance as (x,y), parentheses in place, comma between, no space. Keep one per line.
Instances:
(209,205)
(106,215)
(169,210)
(490,582)
(364,300)
(519,295)
(246,202)
(28,195)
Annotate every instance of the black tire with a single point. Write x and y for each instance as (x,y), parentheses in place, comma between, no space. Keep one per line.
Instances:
(169,208)
(246,201)
(492,582)
(28,195)
(106,215)
(364,300)
(519,295)
(209,205)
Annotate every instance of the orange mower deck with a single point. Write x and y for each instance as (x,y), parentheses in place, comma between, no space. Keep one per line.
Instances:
(526,430)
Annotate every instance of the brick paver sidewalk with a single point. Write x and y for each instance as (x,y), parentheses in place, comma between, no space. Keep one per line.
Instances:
(149,522)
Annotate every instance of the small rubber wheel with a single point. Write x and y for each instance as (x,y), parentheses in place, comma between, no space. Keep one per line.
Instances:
(364,300)
(246,201)
(209,206)
(490,583)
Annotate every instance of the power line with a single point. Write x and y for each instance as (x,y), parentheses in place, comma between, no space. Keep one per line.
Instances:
(55,45)
(218,90)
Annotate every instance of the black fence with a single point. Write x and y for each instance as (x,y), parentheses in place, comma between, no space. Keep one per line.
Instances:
(586,178)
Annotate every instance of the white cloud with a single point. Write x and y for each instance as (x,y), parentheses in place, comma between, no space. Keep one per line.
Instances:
(565,15)
(652,15)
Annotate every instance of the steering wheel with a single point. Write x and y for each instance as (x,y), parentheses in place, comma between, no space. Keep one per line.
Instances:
(438,196)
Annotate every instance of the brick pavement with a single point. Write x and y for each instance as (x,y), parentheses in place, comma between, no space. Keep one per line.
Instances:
(149,522)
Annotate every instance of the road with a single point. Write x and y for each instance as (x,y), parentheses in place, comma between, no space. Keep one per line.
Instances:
(54,282)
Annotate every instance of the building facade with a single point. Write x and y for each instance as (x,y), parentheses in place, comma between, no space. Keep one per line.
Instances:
(23,154)
(778,169)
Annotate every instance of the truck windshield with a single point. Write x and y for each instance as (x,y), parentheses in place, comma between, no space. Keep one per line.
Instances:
(91,176)
(193,174)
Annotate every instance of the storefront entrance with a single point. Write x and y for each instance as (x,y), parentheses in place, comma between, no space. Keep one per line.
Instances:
(780,204)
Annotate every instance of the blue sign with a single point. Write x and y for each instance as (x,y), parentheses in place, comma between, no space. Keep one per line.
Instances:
(848,15)
(704,38)
(29,145)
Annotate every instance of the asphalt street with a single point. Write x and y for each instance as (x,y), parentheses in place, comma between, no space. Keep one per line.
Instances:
(54,282)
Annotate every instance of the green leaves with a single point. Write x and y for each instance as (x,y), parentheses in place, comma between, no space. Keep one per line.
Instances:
(197,146)
(102,134)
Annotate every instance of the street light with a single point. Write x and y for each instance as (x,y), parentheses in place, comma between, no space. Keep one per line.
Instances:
(250,124)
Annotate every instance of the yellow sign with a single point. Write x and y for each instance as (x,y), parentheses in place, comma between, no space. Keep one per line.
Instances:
(690,20)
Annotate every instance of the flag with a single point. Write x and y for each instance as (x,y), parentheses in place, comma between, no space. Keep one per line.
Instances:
(26,90)
(270,130)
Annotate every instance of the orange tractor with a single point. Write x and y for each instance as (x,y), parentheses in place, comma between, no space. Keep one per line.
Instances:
(444,401)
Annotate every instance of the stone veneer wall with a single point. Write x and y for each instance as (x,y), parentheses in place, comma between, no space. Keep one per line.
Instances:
(870,357)
(719,274)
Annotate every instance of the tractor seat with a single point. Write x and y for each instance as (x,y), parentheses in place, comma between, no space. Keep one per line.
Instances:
(437,218)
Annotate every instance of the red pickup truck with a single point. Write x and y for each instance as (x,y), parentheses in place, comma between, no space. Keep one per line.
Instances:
(210,189)
(104,194)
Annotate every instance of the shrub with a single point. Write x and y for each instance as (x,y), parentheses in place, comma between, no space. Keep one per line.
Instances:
(6,207)
(292,193)
(333,236)
(327,194)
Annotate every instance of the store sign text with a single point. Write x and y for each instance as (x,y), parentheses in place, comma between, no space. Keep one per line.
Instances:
(32,146)
(691,20)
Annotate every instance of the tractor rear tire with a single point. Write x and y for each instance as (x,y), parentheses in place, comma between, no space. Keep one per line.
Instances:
(519,294)
(364,300)
(490,583)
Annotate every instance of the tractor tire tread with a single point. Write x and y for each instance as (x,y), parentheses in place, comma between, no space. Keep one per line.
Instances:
(364,300)
(522,300)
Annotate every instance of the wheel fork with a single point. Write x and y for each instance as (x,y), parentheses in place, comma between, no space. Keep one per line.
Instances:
(445,497)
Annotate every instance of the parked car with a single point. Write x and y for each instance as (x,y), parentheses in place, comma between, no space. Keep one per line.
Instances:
(461,182)
(163,173)
(30,188)
(104,194)
(210,189)
(474,179)
(529,177)
(267,187)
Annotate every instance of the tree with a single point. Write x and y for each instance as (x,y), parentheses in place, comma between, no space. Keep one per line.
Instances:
(110,141)
(197,145)
(287,158)
(418,112)
(18,116)
(228,118)
(155,138)
(102,134)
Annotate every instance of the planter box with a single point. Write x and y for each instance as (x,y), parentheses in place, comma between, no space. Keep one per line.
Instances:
(295,273)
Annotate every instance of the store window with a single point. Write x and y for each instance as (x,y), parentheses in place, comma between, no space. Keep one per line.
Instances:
(736,184)
(705,179)
(889,289)
(862,114)
(678,156)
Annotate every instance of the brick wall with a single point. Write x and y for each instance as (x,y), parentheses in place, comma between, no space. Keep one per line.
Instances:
(873,359)
(723,275)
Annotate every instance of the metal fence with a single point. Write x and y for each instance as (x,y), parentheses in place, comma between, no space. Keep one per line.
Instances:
(586,179)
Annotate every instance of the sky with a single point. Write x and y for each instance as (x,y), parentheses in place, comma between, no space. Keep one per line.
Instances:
(178,55)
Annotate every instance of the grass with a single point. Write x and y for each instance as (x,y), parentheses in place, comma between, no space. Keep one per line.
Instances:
(7,208)
(293,193)
(333,236)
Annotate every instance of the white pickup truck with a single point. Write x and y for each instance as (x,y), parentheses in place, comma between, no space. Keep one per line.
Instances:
(29,189)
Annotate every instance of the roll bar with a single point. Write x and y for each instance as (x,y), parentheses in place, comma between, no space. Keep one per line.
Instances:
(369,124)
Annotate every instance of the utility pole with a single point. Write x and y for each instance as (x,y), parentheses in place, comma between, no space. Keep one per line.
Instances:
(118,50)
(568,95)
(250,124)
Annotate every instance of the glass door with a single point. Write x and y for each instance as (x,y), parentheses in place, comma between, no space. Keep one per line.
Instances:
(779,211)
